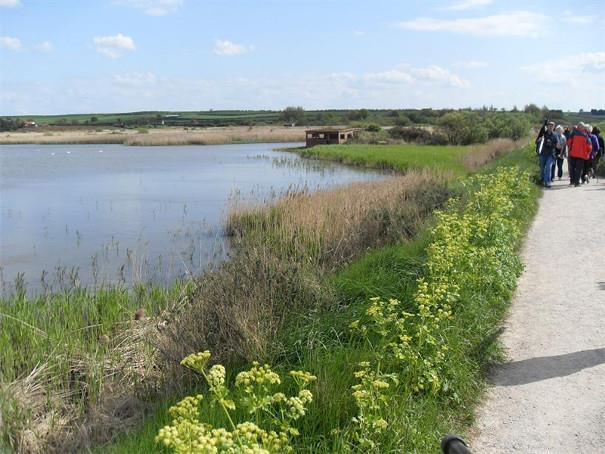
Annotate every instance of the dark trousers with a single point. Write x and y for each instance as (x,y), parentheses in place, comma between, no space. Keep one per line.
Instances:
(558,164)
(587,166)
(576,167)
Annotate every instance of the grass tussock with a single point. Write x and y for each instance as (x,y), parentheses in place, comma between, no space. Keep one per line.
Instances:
(75,366)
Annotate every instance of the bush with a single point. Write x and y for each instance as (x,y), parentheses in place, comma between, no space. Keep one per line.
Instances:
(418,135)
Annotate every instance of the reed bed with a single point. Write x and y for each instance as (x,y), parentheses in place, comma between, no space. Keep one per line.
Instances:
(282,256)
(159,136)
(479,155)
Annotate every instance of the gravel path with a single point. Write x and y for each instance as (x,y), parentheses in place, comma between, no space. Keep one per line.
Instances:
(550,396)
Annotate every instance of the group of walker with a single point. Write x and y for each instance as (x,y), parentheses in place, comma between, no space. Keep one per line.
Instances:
(583,147)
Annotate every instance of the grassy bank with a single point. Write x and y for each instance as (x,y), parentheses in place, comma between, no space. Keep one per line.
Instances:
(157,136)
(301,275)
(321,340)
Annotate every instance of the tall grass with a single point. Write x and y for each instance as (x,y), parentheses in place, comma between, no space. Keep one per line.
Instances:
(71,361)
(283,253)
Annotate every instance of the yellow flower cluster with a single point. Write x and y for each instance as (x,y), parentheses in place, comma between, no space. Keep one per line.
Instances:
(472,247)
(188,434)
(257,376)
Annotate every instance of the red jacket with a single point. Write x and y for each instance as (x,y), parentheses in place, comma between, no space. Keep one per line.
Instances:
(579,145)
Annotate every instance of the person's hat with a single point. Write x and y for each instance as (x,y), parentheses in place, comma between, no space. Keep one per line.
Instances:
(551,123)
(559,127)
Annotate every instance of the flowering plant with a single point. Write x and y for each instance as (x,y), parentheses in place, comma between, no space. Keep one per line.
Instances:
(273,412)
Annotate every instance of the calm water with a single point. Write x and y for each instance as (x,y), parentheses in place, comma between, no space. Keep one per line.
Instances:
(101,214)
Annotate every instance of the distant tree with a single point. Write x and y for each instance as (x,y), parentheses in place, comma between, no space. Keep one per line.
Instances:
(403,120)
(293,115)
(93,119)
(358,115)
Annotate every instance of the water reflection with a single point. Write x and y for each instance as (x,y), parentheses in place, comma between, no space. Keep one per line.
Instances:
(101,214)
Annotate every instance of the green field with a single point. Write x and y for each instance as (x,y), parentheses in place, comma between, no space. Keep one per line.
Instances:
(399,158)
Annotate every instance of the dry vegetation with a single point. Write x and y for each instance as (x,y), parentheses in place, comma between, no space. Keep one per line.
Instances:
(158,136)
(283,254)
(479,155)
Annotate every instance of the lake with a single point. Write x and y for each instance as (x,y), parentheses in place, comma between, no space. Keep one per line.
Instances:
(96,215)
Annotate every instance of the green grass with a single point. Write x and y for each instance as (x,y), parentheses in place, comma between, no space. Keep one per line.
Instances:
(393,157)
(34,329)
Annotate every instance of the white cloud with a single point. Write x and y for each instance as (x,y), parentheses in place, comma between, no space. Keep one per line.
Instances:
(45,47)
(114,46)
(153,7)
(417,75)
(10,43)
(516,23)
(438,74)
(468,4)
(10,3)
(571,18)
(227,48)
(581,70)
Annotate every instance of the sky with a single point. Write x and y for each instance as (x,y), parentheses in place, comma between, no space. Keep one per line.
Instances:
(85,56)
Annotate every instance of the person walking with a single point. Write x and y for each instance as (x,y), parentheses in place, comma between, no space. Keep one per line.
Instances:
(560,153)
(546,146)
(591,169)
(597,132)
(579,151)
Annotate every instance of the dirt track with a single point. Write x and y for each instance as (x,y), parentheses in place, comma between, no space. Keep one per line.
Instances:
(550,396)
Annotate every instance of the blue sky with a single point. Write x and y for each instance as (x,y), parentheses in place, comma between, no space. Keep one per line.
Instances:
(60,56)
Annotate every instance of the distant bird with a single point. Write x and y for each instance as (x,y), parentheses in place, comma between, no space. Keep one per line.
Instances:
(139,314)
(52,154)
(69,152)
(100,151)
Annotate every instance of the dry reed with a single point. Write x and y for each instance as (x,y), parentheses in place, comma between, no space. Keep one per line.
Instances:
(282,254)
(479,155)
(160,136)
